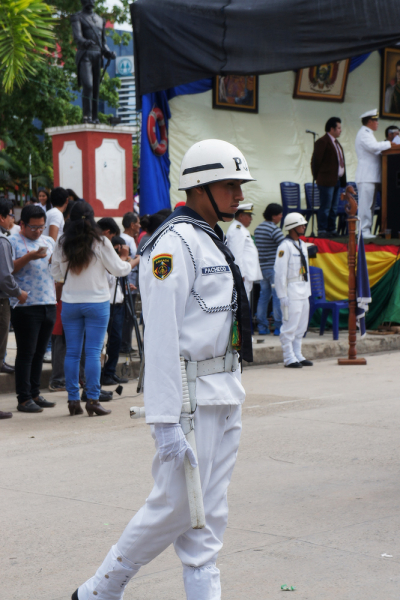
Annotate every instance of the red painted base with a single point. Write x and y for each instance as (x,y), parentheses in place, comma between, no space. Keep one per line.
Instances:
(96,162)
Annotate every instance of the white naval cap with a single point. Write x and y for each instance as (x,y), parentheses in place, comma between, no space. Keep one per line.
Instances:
(371,113)
(246,208)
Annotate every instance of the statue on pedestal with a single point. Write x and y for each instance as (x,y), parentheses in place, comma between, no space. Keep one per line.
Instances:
(89,33)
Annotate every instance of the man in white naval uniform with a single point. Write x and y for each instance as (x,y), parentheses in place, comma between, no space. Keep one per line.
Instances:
(292,285)
(243,248)
(368,172)
(192,293)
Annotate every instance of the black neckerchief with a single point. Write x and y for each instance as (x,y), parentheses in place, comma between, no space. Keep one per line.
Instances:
(302,257)
(183,214)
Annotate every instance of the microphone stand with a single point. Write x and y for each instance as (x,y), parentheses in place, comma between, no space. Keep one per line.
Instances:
(313,190)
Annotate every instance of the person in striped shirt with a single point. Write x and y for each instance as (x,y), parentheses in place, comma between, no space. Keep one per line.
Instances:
(268,236)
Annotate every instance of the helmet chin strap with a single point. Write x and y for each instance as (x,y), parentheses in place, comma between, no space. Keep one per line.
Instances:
(219,214)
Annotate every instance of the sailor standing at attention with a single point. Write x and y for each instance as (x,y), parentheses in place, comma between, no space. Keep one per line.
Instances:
(189,277)
(292,285)
(243,248)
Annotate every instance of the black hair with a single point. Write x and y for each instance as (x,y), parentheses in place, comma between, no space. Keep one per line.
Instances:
(108,224)
(164,212)
(67,211)
(79,234)
(58,196)
(32,211)
(272,210)
(331,123)
(117,240)
(387,130)
(72,193)
(5,207)
(128,219)
(48,202)
(152,222)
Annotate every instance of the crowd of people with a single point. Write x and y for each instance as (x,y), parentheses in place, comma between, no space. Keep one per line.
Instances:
(64,281)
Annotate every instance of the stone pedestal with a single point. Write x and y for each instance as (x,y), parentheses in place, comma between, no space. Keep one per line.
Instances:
(96,162)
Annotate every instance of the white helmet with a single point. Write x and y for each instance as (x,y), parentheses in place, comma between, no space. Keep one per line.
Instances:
(293,220)
(212,160)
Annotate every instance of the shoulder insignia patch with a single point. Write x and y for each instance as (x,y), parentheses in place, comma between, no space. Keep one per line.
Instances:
(281,253)
(238,227)
(162,266)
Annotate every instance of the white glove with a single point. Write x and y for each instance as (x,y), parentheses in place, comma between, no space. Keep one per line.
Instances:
(285,308)
(284,301)
(172,444)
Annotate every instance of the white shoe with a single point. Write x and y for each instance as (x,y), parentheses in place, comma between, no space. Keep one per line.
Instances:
(47,357)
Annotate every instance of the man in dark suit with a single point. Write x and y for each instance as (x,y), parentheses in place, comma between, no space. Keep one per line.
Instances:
(329,171)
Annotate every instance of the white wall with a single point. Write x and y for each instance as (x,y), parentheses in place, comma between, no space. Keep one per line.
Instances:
(274,141)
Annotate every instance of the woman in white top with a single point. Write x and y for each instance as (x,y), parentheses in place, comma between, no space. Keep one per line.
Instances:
(81,258)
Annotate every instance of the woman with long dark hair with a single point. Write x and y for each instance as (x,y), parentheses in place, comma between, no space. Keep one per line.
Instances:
(44,199)
(81,257)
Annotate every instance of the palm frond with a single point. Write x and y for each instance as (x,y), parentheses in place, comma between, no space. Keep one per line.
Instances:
(26,38)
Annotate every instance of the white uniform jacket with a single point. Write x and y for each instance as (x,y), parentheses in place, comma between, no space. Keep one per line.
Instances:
(187,312)
(245,252)
(289,280)
(368,152)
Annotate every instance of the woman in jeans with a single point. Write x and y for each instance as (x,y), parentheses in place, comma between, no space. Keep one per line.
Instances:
(81,258)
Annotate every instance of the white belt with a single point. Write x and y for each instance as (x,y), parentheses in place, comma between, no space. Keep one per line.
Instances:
(295,279)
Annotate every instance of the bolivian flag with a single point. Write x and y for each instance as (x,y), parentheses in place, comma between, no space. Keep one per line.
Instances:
(383,263)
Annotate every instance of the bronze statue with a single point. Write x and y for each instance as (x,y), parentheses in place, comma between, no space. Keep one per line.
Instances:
(89,33)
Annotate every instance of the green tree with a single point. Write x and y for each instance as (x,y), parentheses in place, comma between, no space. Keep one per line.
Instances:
(44,98)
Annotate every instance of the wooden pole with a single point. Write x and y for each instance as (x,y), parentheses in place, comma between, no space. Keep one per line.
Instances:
(351,210)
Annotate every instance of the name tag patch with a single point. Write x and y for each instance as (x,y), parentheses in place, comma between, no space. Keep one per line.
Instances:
(215,270)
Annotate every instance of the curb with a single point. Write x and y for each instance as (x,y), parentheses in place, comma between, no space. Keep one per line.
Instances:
(329,349)
(262,356)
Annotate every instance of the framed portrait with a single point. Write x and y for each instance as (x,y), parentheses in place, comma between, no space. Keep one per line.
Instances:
(390,83)
(324,82)
(236,92)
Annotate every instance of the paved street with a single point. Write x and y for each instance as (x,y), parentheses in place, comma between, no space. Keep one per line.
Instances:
(314,499)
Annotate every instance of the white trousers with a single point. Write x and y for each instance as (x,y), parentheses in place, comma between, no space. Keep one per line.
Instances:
(293,330)
(366,205)
(164,519)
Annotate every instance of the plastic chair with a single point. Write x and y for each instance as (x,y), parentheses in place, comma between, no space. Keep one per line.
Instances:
(318,300)
(317,201)
(377,211)
(291,202)
(341,214)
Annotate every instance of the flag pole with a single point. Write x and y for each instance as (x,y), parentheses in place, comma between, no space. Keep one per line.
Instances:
(351,210)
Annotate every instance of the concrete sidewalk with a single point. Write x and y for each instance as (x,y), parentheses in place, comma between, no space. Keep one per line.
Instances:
(267,350)
(314,499)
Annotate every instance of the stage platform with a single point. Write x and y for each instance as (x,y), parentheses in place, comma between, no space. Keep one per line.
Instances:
(383,262)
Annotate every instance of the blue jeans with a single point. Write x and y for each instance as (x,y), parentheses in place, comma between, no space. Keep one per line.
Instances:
(263,301)
(329,200)
(114,338)
(90,318)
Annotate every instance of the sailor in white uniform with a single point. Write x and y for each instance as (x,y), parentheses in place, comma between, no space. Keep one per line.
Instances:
(243,248)
(292,285)
(368,172)
(193,302)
